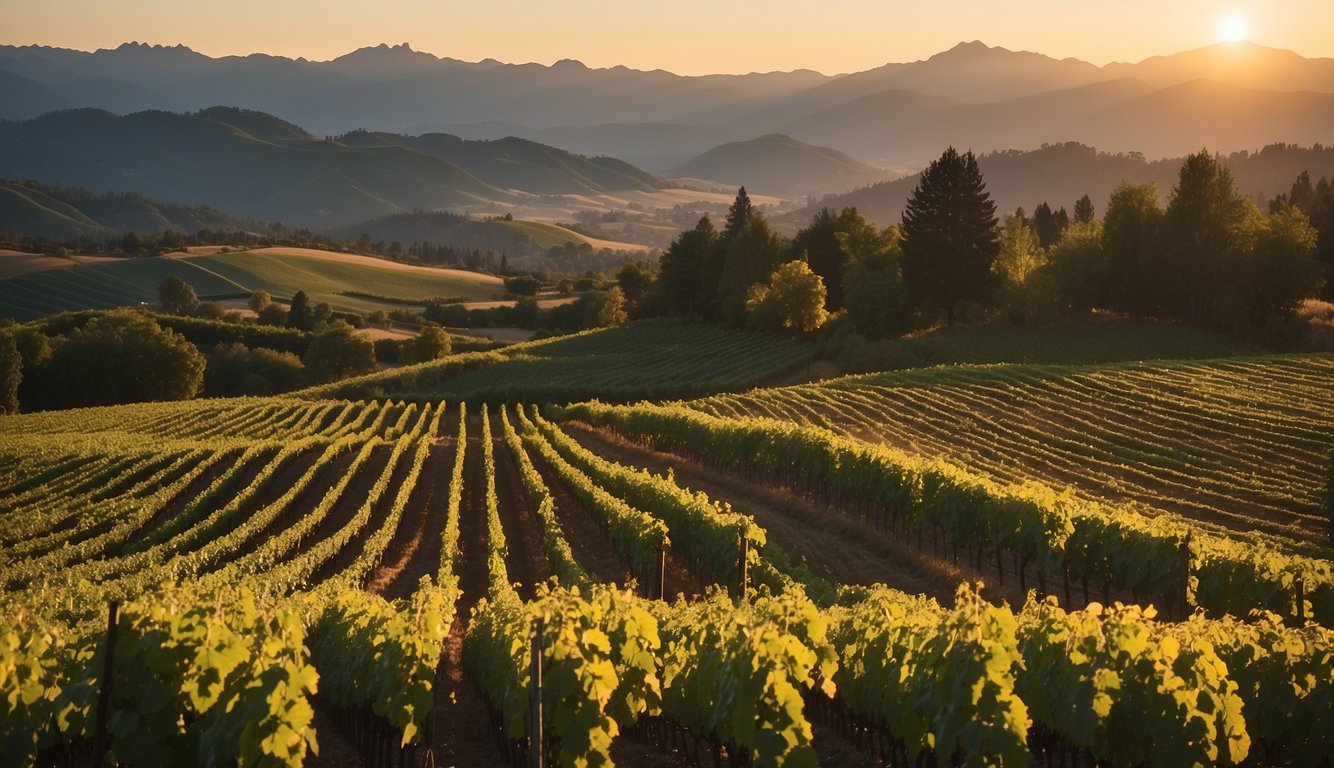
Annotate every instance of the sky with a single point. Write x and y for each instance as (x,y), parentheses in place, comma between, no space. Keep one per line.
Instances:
(689,37)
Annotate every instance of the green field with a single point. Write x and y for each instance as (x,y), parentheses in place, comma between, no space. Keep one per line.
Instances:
(1097,341)
(649,359)
(552,236)
(1240,443)
(281,272)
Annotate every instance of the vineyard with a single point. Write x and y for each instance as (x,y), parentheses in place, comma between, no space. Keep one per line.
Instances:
(648,359)
(1177,437)
(257,581)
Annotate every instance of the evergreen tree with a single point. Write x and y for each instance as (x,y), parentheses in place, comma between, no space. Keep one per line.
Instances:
(739,214)
(1083,210)
(685,285)
(752,256)
(950,239)
(1048,225)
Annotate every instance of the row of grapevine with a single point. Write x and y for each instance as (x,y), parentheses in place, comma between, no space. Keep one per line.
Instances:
(1183,437)
(638,536)
(710,536)
(563,564)
(1059,534)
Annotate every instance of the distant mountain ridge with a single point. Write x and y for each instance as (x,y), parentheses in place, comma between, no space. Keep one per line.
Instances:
(1236,96)
(779,165)
(1059,174)
(254,164)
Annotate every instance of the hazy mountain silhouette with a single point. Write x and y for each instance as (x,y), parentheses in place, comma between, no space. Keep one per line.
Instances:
(255,164)
(1059,174)
(781,166)
(899,114)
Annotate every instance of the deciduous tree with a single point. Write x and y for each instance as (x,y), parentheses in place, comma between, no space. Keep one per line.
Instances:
(177,296)
(339,352)
(792,299)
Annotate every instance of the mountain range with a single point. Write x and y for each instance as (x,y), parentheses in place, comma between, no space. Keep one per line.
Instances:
(1228,97)
(253,164)
(1059,174)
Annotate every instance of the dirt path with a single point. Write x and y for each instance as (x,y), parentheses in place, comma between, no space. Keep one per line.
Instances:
(380,507)
(590,544)
(462,728)
(831,545)
(525,558)
(415,549)
(177,503)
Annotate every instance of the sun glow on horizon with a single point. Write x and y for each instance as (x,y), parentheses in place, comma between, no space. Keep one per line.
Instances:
(1234,28)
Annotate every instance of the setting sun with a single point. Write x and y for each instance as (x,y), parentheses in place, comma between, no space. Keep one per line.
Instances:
(1234,28)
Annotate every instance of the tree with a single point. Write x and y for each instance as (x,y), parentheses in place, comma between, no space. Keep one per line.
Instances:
(793,299)
(1020,251)
(739,215)
(752,256)
(432,343)
(523,285)
(273,314)
(176,296)
(526,312)
(874,296)
(1284,269)
(1207,237)
(123,357)
(685,271)
(612,311)
(1083,210)
(634,281)
(950,240)
(11,372)
(339,352)
(1078,264)
(321,315)
(817,244)
(1130,244)
(299,314)
(258,301)
(1049,224)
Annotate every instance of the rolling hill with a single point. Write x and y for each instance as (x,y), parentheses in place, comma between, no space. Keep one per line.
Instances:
(68,213)
(254,164)
(781,166)
(343,280)
(516,239)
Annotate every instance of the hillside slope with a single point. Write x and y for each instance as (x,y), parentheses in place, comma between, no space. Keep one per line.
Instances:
(779,165)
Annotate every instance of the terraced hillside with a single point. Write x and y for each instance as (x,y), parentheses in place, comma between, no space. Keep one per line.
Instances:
(1235,443)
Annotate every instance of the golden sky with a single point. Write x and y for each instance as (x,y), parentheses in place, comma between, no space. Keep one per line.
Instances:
(684,36)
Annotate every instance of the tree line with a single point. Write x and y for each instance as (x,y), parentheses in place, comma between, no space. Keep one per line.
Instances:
(1211,257)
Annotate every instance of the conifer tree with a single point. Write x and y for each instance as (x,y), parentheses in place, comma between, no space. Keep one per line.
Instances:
(950,238)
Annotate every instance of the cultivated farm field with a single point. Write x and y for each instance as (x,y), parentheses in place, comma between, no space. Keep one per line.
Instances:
(348,283)
(378,577)
(1236,443)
